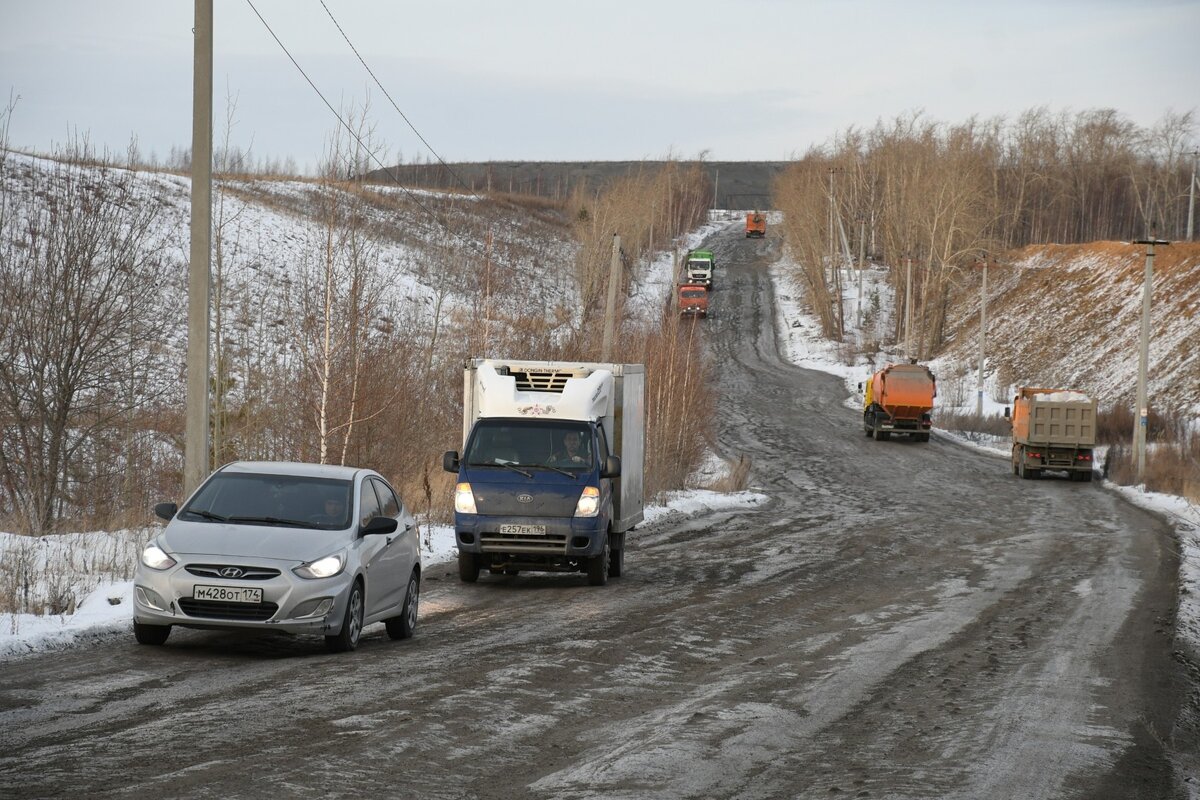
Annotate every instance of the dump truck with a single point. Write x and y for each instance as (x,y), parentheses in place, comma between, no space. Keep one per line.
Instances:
(693,300)
(550,476)
(756,225)
(698,267)
(1053,429)
(899,399)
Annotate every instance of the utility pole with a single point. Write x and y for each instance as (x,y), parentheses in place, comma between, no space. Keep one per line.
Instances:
(1192,197)
(908,308)
(982,339)
(716,187)
(1143,410)
(195,447)
(832,262)
(610,308)
(862,264)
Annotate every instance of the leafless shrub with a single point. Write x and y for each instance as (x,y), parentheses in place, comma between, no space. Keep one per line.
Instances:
(79,276)
(988,424)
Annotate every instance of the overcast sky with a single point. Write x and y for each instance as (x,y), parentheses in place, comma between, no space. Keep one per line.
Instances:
(556,79)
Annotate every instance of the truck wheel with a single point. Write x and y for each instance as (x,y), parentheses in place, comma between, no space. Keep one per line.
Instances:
(468,567)
(597,566)
(616,562)
(1086,477)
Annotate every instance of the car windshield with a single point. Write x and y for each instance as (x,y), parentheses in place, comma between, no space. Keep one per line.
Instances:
(552,444)
(289,501)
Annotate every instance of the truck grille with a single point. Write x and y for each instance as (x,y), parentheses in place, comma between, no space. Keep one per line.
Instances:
(216,609)
(521,543)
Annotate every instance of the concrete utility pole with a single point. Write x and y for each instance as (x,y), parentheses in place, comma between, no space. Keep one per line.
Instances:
(862,263)
(908,308)
(832,262)
(195,447)
(982,339)
(1192,197)
(610,308)
(1143,410)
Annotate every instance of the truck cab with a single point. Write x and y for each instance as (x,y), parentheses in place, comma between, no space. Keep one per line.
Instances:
(550,476)
(693,300)
(698,267)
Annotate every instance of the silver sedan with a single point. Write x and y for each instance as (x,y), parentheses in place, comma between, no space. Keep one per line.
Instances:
(302,548)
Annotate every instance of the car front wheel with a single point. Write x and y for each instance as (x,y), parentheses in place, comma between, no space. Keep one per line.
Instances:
(347,638)
(150,634)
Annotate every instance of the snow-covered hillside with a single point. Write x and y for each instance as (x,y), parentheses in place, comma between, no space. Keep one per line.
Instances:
(1069,316)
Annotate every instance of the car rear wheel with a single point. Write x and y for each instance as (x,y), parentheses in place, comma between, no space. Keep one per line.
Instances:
(150,634)
(403,626)
(347,638)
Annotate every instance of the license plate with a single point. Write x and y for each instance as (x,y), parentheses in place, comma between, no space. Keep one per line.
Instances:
(228,594)
(524,530)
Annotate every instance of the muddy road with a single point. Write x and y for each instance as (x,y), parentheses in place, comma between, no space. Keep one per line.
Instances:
(898,620)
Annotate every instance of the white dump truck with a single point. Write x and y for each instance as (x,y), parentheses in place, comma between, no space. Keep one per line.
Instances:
(550,476)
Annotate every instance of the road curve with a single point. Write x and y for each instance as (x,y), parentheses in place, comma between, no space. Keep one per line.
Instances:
(899,620)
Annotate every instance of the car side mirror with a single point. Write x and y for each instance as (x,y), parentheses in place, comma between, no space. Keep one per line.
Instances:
(612,468)
(450,461)
(379,525)
(166,511)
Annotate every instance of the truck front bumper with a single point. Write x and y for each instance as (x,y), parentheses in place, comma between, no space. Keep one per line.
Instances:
(568,537)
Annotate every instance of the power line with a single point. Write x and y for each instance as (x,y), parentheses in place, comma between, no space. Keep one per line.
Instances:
(393,102)
(437,218)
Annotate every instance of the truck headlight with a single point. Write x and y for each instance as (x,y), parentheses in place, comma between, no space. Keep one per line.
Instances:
(155,557)
(589,502)
(325,567)
(464,499)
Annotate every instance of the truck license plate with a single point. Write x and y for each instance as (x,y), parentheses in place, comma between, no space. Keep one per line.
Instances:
(228,594)
(524,530)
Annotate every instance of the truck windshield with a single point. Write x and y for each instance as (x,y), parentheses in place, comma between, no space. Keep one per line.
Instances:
(552,444)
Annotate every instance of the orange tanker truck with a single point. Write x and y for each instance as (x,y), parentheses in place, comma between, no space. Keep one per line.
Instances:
(756,224)
(1053,429)
(899,399)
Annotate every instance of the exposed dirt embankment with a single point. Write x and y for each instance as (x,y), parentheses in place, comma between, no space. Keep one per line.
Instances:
(1070,315)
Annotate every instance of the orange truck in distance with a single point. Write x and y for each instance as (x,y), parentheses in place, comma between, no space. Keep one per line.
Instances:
(899,399)
(1053,429)
(756,224)
(693,300)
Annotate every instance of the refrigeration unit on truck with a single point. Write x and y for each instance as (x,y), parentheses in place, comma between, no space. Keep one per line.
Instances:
(550,476)
(1053,429)
(899,399)
(698,267)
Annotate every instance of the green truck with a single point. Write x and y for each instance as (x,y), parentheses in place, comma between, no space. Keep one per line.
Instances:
(698,267)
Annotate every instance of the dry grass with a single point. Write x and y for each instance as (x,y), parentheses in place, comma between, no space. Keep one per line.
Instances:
(52,574)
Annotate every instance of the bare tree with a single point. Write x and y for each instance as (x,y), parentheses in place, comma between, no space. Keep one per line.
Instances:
(78,273)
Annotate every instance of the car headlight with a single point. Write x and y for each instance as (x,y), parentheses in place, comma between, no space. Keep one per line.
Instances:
(325,567)
(589,502)
(464,499)
(155,557)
